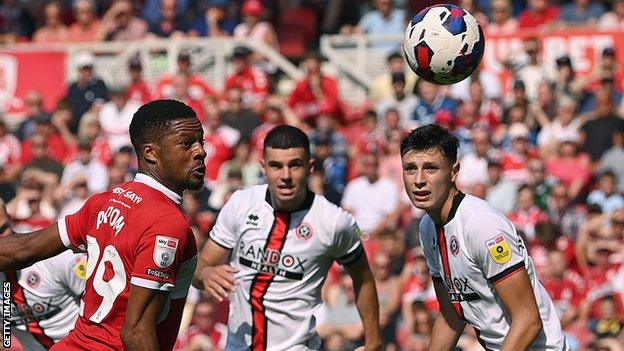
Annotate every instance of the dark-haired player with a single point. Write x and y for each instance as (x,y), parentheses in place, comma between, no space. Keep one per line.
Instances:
(481,271)
(279,241)
(141,251)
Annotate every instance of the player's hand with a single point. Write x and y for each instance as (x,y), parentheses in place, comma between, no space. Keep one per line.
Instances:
(219,281)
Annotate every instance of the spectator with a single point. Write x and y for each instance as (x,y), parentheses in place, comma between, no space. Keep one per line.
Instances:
(54,30)
(274,115)
(34,107)
(219,139)
(528,66)
(91,129)
(47,169)
(515,161)
(597,133)
(539,14)
(384,20)
(95,174)
(606,195)
(32,208)
(115,117)
(72,196)
(613,159)
(372,139)
(527,214)
(58,149)
(383,87)
(121,23)
(501,193)
(390,165)
(566,215)
(474,164)
(542,185)
(253,27)
(403,102)
(252,81)
(609,323)
(244,162)
(614,19)
(15,22)
(316,94)
(581,13)
(214,22)
(430,101)
(181,89)
(239,117)
(331,154)
(87,89)
(87,25)
(372,200)
(565,287)
(564,123)
(389,294)
(204,333)
(10,154)
(489,83)
(502,20)
(197,89)
(566,82)
(138,90)
(170,24)
(570,166)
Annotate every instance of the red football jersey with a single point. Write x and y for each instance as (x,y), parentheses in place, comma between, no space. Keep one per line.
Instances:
(134,234)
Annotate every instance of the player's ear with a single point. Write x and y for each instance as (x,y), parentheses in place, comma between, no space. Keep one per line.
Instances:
(151,152)
(454,171)
(262,165)
(311,164)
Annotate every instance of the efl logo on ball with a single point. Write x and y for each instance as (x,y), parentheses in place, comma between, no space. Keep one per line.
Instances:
(443,44)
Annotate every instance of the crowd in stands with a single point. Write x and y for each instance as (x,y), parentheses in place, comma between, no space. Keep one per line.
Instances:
(549,152)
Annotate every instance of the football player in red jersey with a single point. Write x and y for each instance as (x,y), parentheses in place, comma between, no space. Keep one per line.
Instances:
(141,250)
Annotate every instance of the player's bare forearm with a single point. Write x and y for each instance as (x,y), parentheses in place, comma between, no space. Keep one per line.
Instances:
(18,251)
(140,340)
(139,329)
(367,301)
(518,296)
(447,327)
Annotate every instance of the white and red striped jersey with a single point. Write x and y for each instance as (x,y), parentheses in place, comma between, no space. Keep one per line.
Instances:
(283,260)
(477,248)
(45,299)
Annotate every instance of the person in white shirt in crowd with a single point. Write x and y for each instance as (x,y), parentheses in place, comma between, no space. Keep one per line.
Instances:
(373,200)
(501,193)
(95,173)
(115,117)
(475,164)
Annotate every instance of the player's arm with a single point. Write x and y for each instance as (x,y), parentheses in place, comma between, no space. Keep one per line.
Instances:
(139,329)
(518,296)
(212,274)
(447,327)
(22,250)
(366,300)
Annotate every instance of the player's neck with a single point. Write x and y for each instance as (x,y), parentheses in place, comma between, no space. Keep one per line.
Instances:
(441,217)
(289,206)
(159,179)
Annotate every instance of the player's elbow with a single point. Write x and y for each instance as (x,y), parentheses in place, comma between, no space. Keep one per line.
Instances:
(533,323)
(129,335)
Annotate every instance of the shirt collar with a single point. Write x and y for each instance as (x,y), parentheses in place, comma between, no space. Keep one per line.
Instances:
(153,183)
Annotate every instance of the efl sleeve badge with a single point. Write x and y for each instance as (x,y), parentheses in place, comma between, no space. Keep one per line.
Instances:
(499,249)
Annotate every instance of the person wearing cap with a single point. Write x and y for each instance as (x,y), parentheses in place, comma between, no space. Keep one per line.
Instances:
(139,89)
(54,30)
(214,22)
(515,161)
(121,23)
(115,117)
(170,24)
(87,89)
(253,27)
(251,80)
(382,87)
(86,166)
(87,25)
(581,13)
(198,88)
(316,94)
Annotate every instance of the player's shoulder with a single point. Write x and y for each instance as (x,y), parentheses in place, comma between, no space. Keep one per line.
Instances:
(471,208)
(329,213)
(247,197)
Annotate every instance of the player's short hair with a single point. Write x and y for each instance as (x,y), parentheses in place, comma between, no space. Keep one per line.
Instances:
(287,137)
(431,136)
(152,121)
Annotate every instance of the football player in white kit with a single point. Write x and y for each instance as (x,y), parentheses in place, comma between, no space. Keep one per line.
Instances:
(481,271)
(45,297)
(279,241)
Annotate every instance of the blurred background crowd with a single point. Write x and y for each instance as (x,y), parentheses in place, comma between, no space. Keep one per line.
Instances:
(547,150)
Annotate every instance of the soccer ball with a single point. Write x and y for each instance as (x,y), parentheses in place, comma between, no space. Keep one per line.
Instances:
(443,44)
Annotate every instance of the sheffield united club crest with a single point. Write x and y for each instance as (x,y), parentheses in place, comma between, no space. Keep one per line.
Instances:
(304,231)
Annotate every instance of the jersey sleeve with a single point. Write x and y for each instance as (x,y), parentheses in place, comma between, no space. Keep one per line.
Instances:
(225,230)
(494,245)
(73,228)
(347,246)
(75,274)
(427,235)
(165,255)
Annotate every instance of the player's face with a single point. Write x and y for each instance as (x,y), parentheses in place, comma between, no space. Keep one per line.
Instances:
(287,172)
(182,155)
(428,178)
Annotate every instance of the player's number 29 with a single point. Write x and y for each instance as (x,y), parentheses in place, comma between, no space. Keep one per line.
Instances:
(112,288)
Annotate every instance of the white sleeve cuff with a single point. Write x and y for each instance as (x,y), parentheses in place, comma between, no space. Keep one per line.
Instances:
(62,227)
(150,284)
